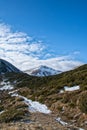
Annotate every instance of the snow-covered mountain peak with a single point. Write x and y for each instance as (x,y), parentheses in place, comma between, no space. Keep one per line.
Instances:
(42,71)
(5,67)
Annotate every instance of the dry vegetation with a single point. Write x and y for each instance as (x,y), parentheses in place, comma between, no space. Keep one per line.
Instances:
(71,106)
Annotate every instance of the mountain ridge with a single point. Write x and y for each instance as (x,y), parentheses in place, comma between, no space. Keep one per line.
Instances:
(42,70)
(5,67)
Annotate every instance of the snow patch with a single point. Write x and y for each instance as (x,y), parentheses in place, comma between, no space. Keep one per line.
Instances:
(65,123)
(34,106)
(71,88)
(15,95)
(66,88)
(81,129)
(12,92)
(61,122)
(1,112)
(61,91)
(5,86)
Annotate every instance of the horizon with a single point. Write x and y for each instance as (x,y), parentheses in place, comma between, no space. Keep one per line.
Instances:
(43,32)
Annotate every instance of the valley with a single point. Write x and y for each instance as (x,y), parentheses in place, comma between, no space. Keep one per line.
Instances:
(43,103)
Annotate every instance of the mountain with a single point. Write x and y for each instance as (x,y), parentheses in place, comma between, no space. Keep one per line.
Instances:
(42,71)
(62,98)
(5,67)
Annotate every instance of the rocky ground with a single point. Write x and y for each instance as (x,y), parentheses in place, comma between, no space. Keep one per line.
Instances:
(38,122)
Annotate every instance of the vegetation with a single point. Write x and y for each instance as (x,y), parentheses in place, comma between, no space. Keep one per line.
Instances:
(83,102)
(13,108)
(12,115)
(77,76)
(41,88)
(45,90)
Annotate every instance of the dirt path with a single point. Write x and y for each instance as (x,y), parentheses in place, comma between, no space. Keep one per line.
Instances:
(39,122)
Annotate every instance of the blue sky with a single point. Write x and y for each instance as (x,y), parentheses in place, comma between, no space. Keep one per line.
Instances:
(61,24)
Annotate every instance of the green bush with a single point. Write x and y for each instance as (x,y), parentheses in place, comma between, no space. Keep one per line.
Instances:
(12,115)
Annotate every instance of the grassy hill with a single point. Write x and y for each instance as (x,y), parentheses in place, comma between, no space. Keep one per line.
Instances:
(77,76)
(41,88)
(47,90)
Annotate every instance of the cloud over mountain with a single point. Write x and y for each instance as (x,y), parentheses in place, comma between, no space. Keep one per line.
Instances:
(25,52)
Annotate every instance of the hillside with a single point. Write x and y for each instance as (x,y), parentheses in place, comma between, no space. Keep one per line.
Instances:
(74,77)
(6,67)
(54,91)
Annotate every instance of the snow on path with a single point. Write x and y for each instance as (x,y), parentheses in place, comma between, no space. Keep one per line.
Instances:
(34,106)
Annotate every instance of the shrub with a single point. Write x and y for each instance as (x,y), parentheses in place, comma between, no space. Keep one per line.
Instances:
(12,115)
(83,102)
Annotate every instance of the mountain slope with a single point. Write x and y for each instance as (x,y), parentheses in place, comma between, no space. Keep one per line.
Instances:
(74,77)
(65,95)
(42,71)
(7,67)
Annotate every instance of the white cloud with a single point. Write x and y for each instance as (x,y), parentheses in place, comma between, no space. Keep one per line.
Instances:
(62,63)
(76,52)
(8,36)
(25,53)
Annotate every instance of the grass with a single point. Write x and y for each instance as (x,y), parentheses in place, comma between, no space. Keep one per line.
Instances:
(45,90)
(14,108)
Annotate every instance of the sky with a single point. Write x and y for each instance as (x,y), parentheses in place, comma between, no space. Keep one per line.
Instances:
(43,31)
